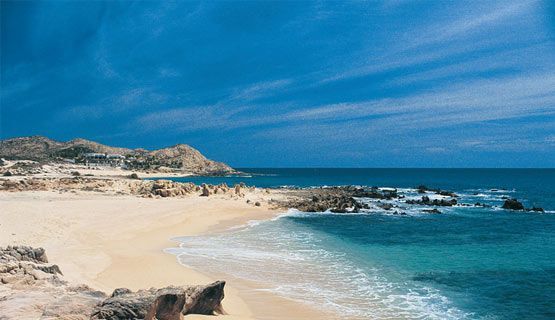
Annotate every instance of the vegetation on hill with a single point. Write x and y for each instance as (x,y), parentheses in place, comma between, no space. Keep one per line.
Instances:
(179,157)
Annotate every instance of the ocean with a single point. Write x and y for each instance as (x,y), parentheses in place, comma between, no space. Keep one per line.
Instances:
(465,263)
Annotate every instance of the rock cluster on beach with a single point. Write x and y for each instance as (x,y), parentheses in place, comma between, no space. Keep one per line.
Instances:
(137,187)
(33,288)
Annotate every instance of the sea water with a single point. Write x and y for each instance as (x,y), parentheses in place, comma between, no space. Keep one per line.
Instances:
(465,263)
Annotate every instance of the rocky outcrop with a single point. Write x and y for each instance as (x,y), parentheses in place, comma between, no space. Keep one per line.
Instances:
(32,288)
(335,199)
(136,187)
(512,204)
(188,159)
(425,200)
(166,303)
(167,188)
(21,168)
(425,189)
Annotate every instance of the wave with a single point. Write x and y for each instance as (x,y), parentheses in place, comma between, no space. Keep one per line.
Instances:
(314,269)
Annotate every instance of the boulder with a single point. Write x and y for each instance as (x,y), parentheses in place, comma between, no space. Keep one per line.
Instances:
(168,303)
(205,190)
(512,204)
(134,176)
(238,190)
(32,288)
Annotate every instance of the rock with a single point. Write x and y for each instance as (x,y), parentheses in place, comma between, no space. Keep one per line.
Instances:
(536,209)
(75,173)
(483,205)
(447,193)
(434,210)
(257,204)
(512,204)
(205,190)
(7,174)
(422,188)
(238,190)
(163,304)
(385,206)
(134,176)
(425,200)
(31,288)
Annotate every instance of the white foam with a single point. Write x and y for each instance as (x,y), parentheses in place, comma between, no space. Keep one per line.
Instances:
(295,263)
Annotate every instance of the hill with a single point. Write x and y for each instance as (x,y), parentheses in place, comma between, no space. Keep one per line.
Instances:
(181,157)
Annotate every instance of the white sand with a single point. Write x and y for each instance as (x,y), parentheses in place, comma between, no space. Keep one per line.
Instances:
(117,241)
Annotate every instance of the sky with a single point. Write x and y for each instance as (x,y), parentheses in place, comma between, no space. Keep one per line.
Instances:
(289,84)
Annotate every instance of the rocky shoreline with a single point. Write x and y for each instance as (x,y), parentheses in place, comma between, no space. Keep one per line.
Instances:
(31,287)
(349,199)
(335,199)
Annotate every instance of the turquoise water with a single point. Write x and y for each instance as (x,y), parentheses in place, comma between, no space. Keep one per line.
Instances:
(466,263)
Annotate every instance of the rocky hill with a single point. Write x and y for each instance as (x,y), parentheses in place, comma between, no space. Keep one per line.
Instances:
(178,157)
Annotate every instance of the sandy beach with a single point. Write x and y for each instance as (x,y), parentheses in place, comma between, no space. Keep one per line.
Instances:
(108,241)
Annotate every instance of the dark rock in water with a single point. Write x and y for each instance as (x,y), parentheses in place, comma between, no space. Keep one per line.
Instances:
(436,202)
(536,209)
(505,197)
(483,205)
(512,204)
(422,188)
(401,213)
(447,193)
(385,206)
(434,210)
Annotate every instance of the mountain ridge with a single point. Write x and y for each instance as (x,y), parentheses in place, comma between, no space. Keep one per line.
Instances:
(180,156)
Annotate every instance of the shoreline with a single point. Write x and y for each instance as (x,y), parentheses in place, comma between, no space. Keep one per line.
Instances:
(89,235)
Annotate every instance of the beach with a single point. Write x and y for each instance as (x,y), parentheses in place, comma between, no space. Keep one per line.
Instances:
(323,247)
(112,241)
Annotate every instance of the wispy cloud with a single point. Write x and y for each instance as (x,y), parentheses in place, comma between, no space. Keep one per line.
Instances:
(259,90)
(408,53)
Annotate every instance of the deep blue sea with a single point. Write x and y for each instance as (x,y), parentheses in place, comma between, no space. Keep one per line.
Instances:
(466,263)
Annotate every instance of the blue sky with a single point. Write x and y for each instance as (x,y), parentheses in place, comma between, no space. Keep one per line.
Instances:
(279,84)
